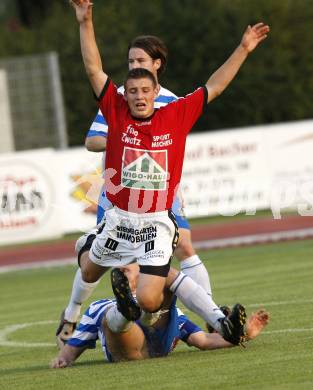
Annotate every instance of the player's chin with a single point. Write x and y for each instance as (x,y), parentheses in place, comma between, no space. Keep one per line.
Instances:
(140,113)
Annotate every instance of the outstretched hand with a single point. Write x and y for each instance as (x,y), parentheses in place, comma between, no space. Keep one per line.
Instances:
(83,9)
(256,322)
(254,35)
(59,362)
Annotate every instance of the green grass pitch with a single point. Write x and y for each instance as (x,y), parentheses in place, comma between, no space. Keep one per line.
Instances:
(275,276)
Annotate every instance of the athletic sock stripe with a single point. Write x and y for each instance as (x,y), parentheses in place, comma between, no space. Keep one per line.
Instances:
(191,266)
(179,283)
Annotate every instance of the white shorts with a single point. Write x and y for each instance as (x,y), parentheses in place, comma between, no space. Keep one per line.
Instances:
(149,239)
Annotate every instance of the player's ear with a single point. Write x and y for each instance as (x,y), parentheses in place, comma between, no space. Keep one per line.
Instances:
(157,90)
(157,64)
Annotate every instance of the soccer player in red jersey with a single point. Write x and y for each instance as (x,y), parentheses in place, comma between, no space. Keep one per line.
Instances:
(145,151)
(149,52)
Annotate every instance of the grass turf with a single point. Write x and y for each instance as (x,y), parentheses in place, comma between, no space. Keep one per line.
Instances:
(276,276)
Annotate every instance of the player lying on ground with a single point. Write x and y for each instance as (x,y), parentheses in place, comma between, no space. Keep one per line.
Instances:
(148,52)
(141,177)
(192,295)
(147,337)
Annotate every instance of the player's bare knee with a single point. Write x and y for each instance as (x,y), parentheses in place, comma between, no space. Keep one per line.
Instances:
(87,275)
(149,304)
(172,275)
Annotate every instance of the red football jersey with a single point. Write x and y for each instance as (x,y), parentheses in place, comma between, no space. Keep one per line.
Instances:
(144,157)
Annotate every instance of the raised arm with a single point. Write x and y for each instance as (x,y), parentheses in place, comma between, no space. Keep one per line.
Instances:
(89,48)
(225,74)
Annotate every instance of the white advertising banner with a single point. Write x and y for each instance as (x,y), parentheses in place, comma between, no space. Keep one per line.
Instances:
(47,193)
(225,173)
(28,196)
(289,149)
(81,183)
(243,170)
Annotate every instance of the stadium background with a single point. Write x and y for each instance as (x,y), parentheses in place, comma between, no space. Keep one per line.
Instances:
(40,57)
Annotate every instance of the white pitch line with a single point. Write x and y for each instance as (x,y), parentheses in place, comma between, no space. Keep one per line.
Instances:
(280,303)
(20,344)
(295,330)
(13,328)
(38,264)
(273,303)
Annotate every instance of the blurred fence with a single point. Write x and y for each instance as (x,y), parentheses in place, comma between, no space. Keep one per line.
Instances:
(36,101)
(6,133)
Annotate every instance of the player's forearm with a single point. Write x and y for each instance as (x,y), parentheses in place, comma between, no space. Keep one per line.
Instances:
(91,56)
(222,77)
(67,356)
(208,341)
(96,144)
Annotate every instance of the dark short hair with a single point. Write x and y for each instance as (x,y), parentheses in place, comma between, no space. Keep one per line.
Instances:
(153,46)
(140,73)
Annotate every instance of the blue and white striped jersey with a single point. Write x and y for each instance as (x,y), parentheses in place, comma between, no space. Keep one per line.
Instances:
(99,125)
(89,329)
(160,342)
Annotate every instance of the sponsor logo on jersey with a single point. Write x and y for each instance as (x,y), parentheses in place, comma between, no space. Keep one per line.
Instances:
(153,254)
(160,141)
(144,169)
(136,235)
(112,255)
(111,244)
(131,140)
(149,246)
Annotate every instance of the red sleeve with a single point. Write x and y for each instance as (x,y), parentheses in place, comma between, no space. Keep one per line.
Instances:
(190,108)
(109,101)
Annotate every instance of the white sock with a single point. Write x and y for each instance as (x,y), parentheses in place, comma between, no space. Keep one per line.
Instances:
(81,291)
(197,300)
(193,267)
(116,321)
